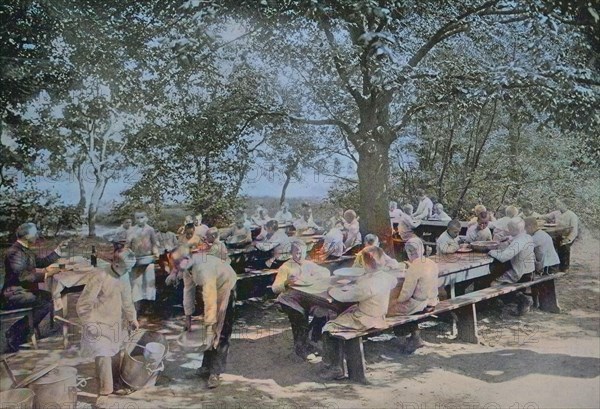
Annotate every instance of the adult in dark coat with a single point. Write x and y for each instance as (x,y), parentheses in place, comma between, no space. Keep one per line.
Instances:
(20,289)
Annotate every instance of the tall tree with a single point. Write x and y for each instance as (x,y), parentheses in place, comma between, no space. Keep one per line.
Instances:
(372,66)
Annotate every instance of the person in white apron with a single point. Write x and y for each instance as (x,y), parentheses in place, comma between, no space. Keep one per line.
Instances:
(143,242)
(102,307)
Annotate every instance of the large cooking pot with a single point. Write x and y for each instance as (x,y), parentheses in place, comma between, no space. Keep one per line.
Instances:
(21,398)
(484,246)
(56,389)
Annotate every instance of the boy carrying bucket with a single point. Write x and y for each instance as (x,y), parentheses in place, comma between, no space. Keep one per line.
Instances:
(102,306)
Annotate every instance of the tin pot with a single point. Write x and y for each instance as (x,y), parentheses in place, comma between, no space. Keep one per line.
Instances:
(56,389)
(136,370)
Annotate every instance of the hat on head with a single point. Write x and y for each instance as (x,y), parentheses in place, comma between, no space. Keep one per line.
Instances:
(123,262)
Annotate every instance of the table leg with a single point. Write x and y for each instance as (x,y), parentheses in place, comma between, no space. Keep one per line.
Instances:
(467,324)
(355,359)
(546,293)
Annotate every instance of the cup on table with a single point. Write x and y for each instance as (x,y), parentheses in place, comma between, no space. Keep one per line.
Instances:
(62,266)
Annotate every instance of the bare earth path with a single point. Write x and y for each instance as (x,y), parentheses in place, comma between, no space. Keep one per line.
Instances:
(538,361)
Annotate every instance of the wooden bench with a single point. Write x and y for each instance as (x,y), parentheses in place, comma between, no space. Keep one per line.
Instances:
(464,307)
(251,273)
(9,317)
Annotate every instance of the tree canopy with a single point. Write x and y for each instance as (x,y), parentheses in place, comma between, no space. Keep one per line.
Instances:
(190,96)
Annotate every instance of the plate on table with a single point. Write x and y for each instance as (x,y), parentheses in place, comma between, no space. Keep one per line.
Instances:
(464,250)
(550,225)
(301,283)
(337,292)
(83,269)
(349,272)
(484,245)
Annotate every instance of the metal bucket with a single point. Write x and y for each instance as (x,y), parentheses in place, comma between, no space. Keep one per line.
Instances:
(56,390)
(136,371)
(16,399)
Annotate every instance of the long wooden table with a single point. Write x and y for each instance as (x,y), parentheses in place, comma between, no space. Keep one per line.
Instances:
(430,230)
(454,268)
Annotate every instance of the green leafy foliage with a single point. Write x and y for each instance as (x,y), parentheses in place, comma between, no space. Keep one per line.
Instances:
(28,204)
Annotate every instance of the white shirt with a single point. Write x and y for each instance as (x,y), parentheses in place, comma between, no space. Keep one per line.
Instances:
(424,209)
(284,217)
(569,219)
(216,278)
(353,236)
(142,240)
(302,224)
(167,240)
(474,234)
(201,230)
(406,226)
(500,227)
(446,244)
(372,292)
(521,254)
(419,290)
(395,215)
(333,243)
(442,216)
(545,254)
(103,304)
(278,240)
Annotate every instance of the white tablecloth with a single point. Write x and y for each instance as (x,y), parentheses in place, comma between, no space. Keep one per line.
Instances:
(77,273)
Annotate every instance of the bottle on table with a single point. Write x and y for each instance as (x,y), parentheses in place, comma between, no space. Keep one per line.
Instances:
(94,257)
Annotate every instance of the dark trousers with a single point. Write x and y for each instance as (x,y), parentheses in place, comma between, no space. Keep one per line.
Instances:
(301,327)
(551,269)
(215,359)
(299,323)
(333,351)
(40,301)
(564,255)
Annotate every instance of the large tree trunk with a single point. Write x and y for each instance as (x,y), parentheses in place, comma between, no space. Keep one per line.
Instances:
(373,179)
(288,178)
(78,171)
(289,172)
(97,194)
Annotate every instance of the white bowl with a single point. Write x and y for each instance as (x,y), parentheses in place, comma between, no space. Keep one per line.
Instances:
(349,272)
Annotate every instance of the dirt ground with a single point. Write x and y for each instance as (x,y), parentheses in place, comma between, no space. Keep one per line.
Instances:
(541,360)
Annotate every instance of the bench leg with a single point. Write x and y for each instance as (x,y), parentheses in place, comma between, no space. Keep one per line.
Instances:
(65,326)
(34,330)
(546,294)
(355,359)
(467,324)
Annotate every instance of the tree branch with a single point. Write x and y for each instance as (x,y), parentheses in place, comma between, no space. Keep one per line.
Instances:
(358,98)
(407,117)
(444,32)
(325,121)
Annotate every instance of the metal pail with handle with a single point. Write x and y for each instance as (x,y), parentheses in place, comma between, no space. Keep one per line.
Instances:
(139,369)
